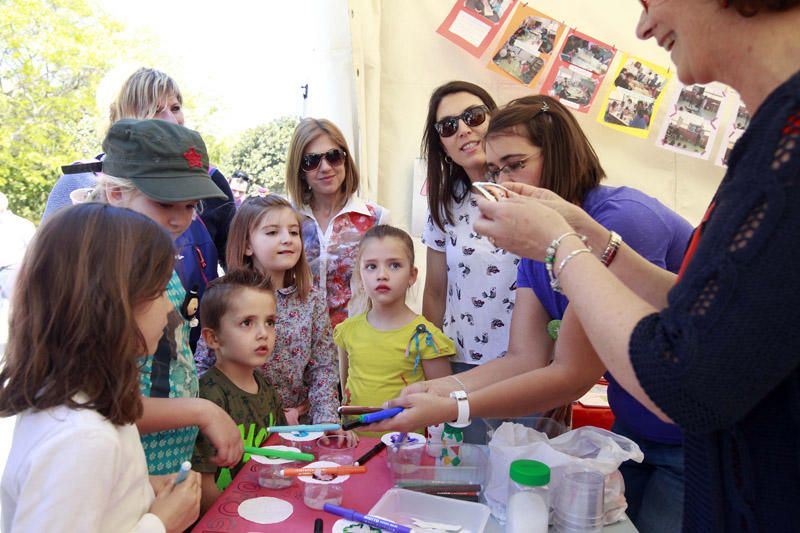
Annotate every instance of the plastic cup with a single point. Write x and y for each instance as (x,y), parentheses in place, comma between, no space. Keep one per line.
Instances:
(407,457)
(578,502)
(337,449)
(316,496)
(269,475)
(306,442)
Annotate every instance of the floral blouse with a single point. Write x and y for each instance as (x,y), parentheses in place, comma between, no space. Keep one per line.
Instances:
(304,362)
(332,253)
(481,286)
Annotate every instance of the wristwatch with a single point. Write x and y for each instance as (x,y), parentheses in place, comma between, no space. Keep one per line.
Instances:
(463,420)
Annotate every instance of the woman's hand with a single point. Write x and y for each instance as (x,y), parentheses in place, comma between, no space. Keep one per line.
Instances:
(440,387)
(520,224)
(421,409)
(177,506)
(224,435)
(579,220)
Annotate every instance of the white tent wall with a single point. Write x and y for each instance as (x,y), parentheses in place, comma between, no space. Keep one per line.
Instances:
(399,59)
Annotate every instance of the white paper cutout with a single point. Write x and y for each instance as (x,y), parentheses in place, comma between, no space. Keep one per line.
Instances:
(417,442)
(265,510)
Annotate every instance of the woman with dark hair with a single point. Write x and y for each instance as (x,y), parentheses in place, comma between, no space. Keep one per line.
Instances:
(714,349)
(469,283)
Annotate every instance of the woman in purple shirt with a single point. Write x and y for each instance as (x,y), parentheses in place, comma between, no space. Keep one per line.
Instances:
(536,140)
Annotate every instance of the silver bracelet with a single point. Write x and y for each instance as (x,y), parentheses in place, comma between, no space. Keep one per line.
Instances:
(569,257)
(463,387)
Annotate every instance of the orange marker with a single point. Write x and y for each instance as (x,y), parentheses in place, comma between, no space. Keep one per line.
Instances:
(334,470)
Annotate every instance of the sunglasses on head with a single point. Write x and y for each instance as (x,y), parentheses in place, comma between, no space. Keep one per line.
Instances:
(334,157)
(472,117)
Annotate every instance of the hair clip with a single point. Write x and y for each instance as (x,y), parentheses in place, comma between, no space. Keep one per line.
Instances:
(545,107)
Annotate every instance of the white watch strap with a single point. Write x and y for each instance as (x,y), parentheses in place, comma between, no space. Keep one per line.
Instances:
(462,403)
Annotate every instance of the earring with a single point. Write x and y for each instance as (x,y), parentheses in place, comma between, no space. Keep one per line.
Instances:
(449,161)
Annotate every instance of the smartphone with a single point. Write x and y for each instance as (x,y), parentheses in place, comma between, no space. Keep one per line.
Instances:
(491,191)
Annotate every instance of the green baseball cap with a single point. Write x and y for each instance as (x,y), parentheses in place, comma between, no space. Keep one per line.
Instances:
(165,161)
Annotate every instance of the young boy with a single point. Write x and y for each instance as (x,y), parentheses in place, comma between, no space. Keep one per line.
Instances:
(238,317)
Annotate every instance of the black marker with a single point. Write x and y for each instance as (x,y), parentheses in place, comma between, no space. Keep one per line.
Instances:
(375,450)
(318,525)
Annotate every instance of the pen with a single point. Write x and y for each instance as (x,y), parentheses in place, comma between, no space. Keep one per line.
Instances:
(281,454)
(357,410)
(335,470)
(375,450)
(380,415)
(353,424)
(304,427)
(372,521)
(318,525)
(186,467)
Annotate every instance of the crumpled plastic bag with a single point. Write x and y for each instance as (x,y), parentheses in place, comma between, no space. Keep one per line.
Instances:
(588,446)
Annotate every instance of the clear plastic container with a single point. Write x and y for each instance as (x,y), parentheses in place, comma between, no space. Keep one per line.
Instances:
(578,501)
(528,505)
(269,469)
(337,449)
(402,506)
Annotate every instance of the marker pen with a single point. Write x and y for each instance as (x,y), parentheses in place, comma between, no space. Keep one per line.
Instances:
(380,415)
(375,450)
(304,427)
(186,467)
(372,521)
(335,470)
(281,454)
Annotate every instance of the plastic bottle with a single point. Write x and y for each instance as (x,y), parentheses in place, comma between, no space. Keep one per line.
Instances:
(528,505)
(434,443)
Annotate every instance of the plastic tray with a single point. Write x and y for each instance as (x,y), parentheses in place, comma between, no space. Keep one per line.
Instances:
(472,470)
(402,506)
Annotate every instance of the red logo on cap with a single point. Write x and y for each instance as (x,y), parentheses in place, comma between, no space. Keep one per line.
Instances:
(194,158)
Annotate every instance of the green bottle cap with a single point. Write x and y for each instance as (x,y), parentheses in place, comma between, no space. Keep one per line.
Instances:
(530,473)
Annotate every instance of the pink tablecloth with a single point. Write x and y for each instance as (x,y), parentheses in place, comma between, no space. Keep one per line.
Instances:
(361,492)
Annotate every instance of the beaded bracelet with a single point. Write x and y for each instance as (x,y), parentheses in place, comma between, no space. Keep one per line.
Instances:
(550,258)
(614,242)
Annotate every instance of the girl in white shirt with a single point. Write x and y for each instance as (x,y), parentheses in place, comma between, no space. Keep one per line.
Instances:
(87,307)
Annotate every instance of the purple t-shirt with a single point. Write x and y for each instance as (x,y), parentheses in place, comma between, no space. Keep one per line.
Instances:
(659,235)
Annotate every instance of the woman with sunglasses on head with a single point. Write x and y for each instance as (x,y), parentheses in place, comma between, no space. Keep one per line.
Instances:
(714,349)
(322,181)
(469,283)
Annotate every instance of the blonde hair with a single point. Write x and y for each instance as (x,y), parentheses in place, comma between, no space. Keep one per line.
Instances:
(246,221)
(307,131)
(142,94)
(106,182)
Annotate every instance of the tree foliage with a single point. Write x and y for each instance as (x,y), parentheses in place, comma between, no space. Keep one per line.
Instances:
(53,53)
(261,152)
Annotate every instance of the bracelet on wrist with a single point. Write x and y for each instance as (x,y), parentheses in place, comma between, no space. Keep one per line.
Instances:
(569,258)
(550,258)
(614,242)
(460,384)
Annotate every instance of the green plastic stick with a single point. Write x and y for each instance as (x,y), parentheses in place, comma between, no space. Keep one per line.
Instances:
(282,454)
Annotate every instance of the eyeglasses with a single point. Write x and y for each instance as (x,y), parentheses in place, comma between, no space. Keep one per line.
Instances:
(472,117)
(334,157)
(508,169)
(645,5)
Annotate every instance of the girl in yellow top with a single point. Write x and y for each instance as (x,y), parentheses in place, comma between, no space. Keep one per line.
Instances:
(389,346)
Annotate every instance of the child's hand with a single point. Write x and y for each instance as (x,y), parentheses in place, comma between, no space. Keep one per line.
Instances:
(350,436)
(177,506)
(224,435)
(293,414)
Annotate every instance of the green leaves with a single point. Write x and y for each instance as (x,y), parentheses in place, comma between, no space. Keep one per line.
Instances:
(52,56)
(261,152)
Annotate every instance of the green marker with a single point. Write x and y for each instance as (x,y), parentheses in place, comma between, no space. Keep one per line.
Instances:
(281,454)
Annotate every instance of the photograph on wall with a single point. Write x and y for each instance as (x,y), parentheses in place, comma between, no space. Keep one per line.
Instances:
(692,120)
(527,46)
(732,133)
(578,70)
(635,96)
(473,24)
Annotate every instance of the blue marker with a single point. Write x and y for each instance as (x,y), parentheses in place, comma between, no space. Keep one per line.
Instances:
(186,467)
(372,521)
(304,427)
(380,415)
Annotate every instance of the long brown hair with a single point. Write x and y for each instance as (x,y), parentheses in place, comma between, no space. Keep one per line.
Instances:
(570,167)
(246,220)
(308,130)
(447,182)
(72,326)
